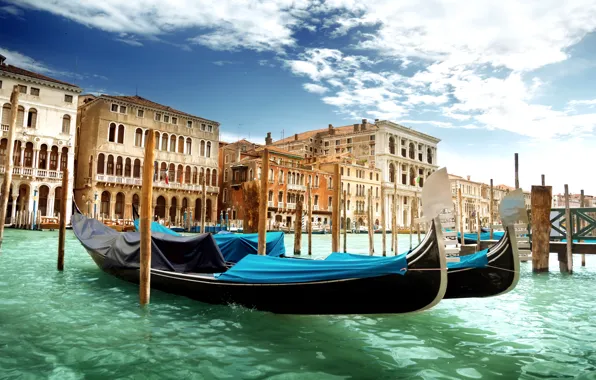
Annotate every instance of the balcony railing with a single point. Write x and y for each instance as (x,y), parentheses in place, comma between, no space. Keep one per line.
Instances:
(296,187)
(280,205)
(291,206)
(270,203)
(315,207)
(34,172)
(160,184)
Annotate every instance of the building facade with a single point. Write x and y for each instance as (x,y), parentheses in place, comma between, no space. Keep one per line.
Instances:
(112,133)
(44,140)
(404,156)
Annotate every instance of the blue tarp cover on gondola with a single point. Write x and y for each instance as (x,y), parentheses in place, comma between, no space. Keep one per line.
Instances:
(236,246)
(265,269)
(473,236)
(156,227)
(476,260)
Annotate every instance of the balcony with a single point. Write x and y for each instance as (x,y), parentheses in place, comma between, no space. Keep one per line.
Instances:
(291,206)
(280,205)
(315,207)
(34,172)
(296,187)
(270,204)
(119,179)
(160,184)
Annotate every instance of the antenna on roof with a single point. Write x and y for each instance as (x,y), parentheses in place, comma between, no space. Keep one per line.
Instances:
(136,90)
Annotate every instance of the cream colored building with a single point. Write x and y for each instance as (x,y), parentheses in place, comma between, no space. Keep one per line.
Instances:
(110,151)
(402,154)
(44,139)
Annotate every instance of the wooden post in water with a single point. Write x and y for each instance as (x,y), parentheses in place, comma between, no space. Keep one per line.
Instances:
(394,234)
(490,209)
(309,221)
(262,246)
(461,215)
(417,215)
(411,220)
(345,223)
(580,225)
(145,222)
(568,267)
(8,160)
(298,228)
(203,203)
(62,230)
(543,180)
(478,228)
(335,210)
(371,230)
(541,197)
(516,171)
(383,226)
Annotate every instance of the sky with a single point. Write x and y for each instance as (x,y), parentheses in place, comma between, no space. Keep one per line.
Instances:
(489,78)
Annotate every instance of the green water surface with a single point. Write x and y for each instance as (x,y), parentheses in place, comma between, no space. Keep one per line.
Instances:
(84,324)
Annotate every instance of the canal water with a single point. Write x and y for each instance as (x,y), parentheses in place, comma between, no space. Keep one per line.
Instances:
(83,323)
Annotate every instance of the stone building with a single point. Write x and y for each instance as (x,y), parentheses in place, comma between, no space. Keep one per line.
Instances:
(112,132)
(405,157)
(44,139)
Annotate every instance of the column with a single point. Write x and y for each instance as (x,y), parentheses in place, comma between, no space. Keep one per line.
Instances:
(112,206)
(14,207)
(168,205)
(22,155)
(48,154)
(35,158)
(178,216)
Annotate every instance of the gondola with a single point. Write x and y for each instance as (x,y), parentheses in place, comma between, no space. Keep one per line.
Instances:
(194,267)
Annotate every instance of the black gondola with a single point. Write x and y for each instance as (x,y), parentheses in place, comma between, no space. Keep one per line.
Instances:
(191,266)
(499,276)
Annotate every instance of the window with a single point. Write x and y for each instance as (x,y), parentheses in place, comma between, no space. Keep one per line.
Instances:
(189,124)
(209,128)
(34,91)
(164,142)
(227,159)
(158,116)
(202,127)
(66,124)
(121,134)
(140,113)
(326,143)
(0,84)
(174,120)
(372,137)
(22,89)
(225,195)
(166,118)
(122,109)
(208,149)
(188,145)
(225,178)
(32,118)
(68,98)
(349,141)
(336,142)
(114,107)
(112,133)
(139,137)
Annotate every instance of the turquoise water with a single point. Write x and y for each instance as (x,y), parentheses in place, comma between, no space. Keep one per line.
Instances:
(83,323)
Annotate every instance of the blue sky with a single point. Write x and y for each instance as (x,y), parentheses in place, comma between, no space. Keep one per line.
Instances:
(488,78)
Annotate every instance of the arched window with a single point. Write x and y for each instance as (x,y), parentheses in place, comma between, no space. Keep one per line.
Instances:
(202,151)
(391,173)
(66,124)
(119,166)
(172,173)
(172,143)
(225,195)
(412,152)
(429,156)
(64,158)
(119,206)
(100,163)
(112,133)
(412,177)
(392,145)
(127,167)
(187,177)
(194,175)
(3,147)
(208,177)
(214,178)
(138,137)
(6,114)
(271,175)
(188,146)
(157,135)
(180,173)
(164,142)
(32,118)
(54,158)
(146,133)
(208,154)
(105,203)
(180,144)
(404,175)
(110,170)
(281,176)
(21,116)
(270,196)
(121,134)
(225,178)
(136,172)
(28,161)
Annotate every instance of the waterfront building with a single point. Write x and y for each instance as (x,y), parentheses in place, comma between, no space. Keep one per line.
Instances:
(405,157)
(112,133)
(44,140)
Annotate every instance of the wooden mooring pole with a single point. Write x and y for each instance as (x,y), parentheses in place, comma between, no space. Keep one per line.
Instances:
(383,226)
(394,218)
(543,180)
(516,171)
(478,230)
(8,160)
(567,266)
(62,229)
(335,210)
(309,221)
(541,198)
(411,220)
(461,215)
(203,202)
(298,228)
(417,212)
(490,210)
(145,222)
(371,230)
(345,223)
(580,224)
(262,245)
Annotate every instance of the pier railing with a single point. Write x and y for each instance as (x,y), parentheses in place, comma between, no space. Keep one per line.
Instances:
(582,223)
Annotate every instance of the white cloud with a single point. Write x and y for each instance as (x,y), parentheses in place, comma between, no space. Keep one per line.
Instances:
(131,42)
(221,63)
(25,62)
(11,10)
(315,88)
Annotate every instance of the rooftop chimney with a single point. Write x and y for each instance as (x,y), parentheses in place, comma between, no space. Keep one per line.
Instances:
(376,120)
(330,129)
(296,137)
(364,124)
(2,59)
(356,127)
(468,178)
(268,139)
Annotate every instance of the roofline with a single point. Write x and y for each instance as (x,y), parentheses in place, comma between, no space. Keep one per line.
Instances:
(178,112)
(63,85)
(410,130)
